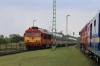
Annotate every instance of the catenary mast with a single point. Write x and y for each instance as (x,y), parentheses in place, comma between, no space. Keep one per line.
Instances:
(54,25)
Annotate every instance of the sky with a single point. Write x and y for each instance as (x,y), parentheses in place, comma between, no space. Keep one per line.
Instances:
(17,15)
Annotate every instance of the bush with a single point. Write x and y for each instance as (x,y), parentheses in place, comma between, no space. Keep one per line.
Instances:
(4,41)
(20,43)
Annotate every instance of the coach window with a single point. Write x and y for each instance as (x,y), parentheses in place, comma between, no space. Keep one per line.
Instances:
(28,34)
(44,36)
(36,34)
(91,31)
(95,23)
(49,36)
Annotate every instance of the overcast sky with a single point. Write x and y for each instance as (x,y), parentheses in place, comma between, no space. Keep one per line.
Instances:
(17,15)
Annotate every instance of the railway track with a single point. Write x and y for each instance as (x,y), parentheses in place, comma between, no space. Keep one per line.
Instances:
(13,52)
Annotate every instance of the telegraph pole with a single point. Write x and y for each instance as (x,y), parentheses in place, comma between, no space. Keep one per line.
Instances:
(33,22)
(49,28)
(67,24)
(54,27)
(67,39)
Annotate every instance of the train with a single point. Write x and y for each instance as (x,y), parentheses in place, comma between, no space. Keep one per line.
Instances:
(36,37)
(90,38)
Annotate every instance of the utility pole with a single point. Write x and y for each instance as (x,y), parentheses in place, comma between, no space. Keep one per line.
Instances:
(49,28)
(67,39)
(33,22)
(54,26)
(67,24)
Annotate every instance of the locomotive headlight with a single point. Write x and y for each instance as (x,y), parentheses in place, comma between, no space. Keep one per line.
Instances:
(27,40)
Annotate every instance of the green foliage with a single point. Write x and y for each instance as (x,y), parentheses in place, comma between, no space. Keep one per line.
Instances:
(1,36)
(20,43)
(16,38)
(3,41)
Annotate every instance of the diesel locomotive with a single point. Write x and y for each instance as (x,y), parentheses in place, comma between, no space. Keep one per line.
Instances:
(35,37)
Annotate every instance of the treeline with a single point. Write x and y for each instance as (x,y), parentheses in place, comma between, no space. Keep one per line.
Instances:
(13,38)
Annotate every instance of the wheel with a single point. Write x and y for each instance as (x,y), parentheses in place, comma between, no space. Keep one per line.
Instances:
(98,59)
(28,48)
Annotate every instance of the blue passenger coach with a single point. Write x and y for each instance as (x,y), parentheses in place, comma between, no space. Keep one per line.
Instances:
(94,37)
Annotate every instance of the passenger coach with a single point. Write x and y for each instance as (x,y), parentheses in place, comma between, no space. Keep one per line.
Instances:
(94,37)
(90,38)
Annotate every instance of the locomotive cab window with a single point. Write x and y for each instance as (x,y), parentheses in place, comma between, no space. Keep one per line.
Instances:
(36,34)
(28,34)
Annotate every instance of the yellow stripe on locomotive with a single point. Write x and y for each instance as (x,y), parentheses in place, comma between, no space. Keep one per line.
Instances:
(32,40)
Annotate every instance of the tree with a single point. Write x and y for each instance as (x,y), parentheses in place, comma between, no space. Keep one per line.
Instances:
(3,41)
(15,38)
(1,36)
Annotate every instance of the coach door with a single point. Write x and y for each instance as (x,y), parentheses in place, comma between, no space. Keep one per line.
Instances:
(90,35)
(99,26)
(99,33)
(95,36)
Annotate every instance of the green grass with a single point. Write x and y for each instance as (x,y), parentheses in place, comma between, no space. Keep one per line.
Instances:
(63,56)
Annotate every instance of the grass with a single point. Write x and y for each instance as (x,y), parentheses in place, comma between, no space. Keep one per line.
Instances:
(64,56)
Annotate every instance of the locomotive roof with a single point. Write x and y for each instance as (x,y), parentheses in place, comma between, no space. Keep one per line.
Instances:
(72,38)
(45,31)
(85,26)
(48,32)
(91,20)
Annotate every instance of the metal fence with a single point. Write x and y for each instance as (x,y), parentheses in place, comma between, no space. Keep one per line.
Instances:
(11,48)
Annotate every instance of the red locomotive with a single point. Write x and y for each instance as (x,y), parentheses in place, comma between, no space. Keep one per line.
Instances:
(84,38)
(36,37)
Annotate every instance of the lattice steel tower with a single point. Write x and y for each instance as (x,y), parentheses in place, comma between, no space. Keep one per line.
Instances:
(54,23)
